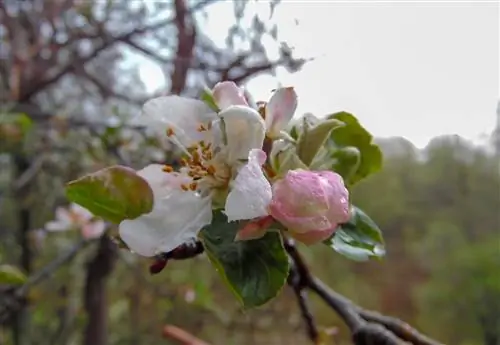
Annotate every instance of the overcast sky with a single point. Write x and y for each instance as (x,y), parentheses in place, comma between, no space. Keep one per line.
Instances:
(415,70)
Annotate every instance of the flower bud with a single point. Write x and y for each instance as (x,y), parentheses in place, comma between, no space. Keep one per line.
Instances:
(310,204)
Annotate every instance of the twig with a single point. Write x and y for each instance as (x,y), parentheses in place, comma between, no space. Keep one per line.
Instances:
(301,294)
(30,173)
(18,294)
(363,333)
(367,327)
(398,327)
(182,336)
(297,279)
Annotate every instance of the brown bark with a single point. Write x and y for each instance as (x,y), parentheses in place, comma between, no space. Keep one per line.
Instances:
(95,296)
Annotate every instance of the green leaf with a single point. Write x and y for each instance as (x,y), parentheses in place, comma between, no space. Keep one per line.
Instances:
(346,162)
(20,119)
(115,193)
(313,139)
(255,270)
(208,97)
(287,160)
(358,239)
(355,135)
(11,275)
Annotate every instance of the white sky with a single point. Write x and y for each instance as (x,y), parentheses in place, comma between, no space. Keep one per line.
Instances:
(415,70)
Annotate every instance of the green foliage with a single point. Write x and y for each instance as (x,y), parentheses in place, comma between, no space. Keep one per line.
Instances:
(115,193)
(18,119)
(208,98)
(353,134)
(255,270)
(346,162)
(11,275)
(312,139)
(286,159)
(359,238)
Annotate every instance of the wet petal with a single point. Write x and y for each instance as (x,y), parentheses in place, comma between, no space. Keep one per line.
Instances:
(251,192)
(254,229)
(175,219)
(227,94)
(162,183)
(280,110)
(313,237)
(183,115)
(245,130)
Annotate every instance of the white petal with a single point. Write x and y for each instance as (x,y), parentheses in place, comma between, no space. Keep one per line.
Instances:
(162,183)
(174,220)
(251,192)
(63,216)
(280,110)
(57,226)
(182,115)
(245,130)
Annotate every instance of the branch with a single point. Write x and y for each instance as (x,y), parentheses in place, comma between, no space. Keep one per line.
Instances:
(107,42)
(367,327)
(182,336)
(186,38)
(295,281)
(11,304)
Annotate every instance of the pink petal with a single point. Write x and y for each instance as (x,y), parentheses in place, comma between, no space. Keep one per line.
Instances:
(254,229)
(280,110)
(93,230)
(227,94)
(314,236)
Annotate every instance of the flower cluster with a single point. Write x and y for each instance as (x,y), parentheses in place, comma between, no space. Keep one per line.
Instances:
(227,150)
(75,217)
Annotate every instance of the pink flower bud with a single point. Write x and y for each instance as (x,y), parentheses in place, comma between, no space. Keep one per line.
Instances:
(310,204)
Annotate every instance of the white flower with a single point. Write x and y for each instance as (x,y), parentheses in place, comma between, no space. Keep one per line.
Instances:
(278,111)
(223,157)
(76,217)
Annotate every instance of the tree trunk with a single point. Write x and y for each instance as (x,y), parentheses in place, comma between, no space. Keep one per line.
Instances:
(95,296)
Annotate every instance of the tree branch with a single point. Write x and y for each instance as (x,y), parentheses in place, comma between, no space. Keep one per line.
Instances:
(186,38)
(108,41)
(182,336)
(367,327)
(13,297)
(295,281)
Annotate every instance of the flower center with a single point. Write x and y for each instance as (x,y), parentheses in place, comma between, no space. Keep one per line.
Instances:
(201,164)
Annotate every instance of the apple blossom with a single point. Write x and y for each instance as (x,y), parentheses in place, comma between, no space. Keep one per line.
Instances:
(310,204)
(277,112)
(221,166)
(76,217)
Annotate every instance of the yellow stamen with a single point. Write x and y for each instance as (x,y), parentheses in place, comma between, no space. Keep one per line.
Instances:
(211,170)
(168,169)
(170,132)
(193,186)
(184,187)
